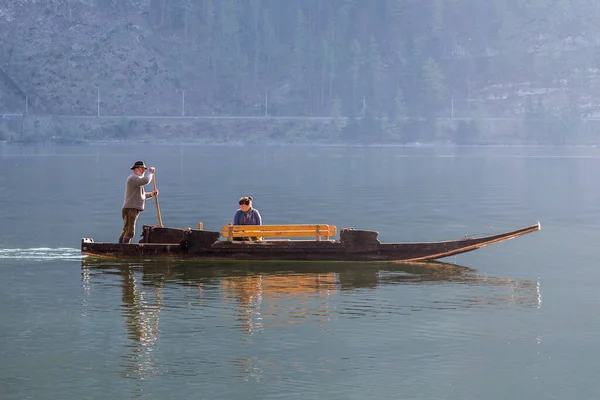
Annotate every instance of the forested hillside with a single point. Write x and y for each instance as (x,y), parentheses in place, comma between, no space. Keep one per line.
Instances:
(400,65)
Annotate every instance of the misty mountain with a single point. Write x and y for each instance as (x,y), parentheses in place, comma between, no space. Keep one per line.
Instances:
(390,60)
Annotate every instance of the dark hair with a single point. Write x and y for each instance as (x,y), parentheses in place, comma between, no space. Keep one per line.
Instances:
(245,200)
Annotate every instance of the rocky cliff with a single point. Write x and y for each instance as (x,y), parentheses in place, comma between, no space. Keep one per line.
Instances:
(400,63)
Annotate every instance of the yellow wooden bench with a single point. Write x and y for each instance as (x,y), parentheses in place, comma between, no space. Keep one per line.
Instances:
(317,231)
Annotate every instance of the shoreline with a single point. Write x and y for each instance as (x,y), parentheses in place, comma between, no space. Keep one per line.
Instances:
(92,143)
(356,132)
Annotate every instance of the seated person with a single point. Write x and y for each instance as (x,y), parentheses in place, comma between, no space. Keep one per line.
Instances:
(246,215)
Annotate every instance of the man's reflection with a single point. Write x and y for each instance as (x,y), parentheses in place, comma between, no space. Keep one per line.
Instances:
(141,310)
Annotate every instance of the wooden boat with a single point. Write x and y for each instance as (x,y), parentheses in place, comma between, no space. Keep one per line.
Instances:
(352,245)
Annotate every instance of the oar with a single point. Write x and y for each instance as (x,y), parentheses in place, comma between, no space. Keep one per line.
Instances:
(160,225)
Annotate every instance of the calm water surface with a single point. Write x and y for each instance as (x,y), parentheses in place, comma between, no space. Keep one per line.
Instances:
(513,320)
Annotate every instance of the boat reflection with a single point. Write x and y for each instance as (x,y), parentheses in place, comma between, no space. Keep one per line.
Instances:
(261,295)
(271,299)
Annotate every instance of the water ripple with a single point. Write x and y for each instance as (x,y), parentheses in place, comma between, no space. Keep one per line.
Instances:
(41,254)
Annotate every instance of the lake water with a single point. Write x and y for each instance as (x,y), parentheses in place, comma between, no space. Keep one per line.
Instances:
(518,319)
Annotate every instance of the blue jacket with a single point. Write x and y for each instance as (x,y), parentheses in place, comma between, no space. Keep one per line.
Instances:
(240,219)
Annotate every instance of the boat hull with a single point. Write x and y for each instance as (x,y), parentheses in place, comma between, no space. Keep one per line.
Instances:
(354,245)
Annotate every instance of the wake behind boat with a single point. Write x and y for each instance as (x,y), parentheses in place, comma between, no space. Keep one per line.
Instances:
(285,243)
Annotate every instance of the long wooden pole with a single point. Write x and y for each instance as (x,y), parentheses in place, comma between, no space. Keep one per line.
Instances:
(160,224)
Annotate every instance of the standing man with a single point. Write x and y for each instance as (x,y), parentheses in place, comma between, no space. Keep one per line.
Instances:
(135,198)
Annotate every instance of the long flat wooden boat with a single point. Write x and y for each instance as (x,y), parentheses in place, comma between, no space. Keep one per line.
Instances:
(352,245)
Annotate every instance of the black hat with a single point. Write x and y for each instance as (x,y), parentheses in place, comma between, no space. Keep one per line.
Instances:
(139,164)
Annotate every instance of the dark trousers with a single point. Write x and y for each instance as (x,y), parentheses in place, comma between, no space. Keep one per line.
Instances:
(130,216)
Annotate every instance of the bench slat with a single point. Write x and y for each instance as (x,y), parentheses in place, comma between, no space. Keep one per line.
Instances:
(283,231)
(278,227)
(278,234)
(331,231)
(299,230)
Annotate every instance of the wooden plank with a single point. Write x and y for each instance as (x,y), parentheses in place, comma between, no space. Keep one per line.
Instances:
(275,234)
(256,232)
(280,227)
(318,231)
(322,232)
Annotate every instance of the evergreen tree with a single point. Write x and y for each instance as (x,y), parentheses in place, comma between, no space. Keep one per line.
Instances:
(355,70)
